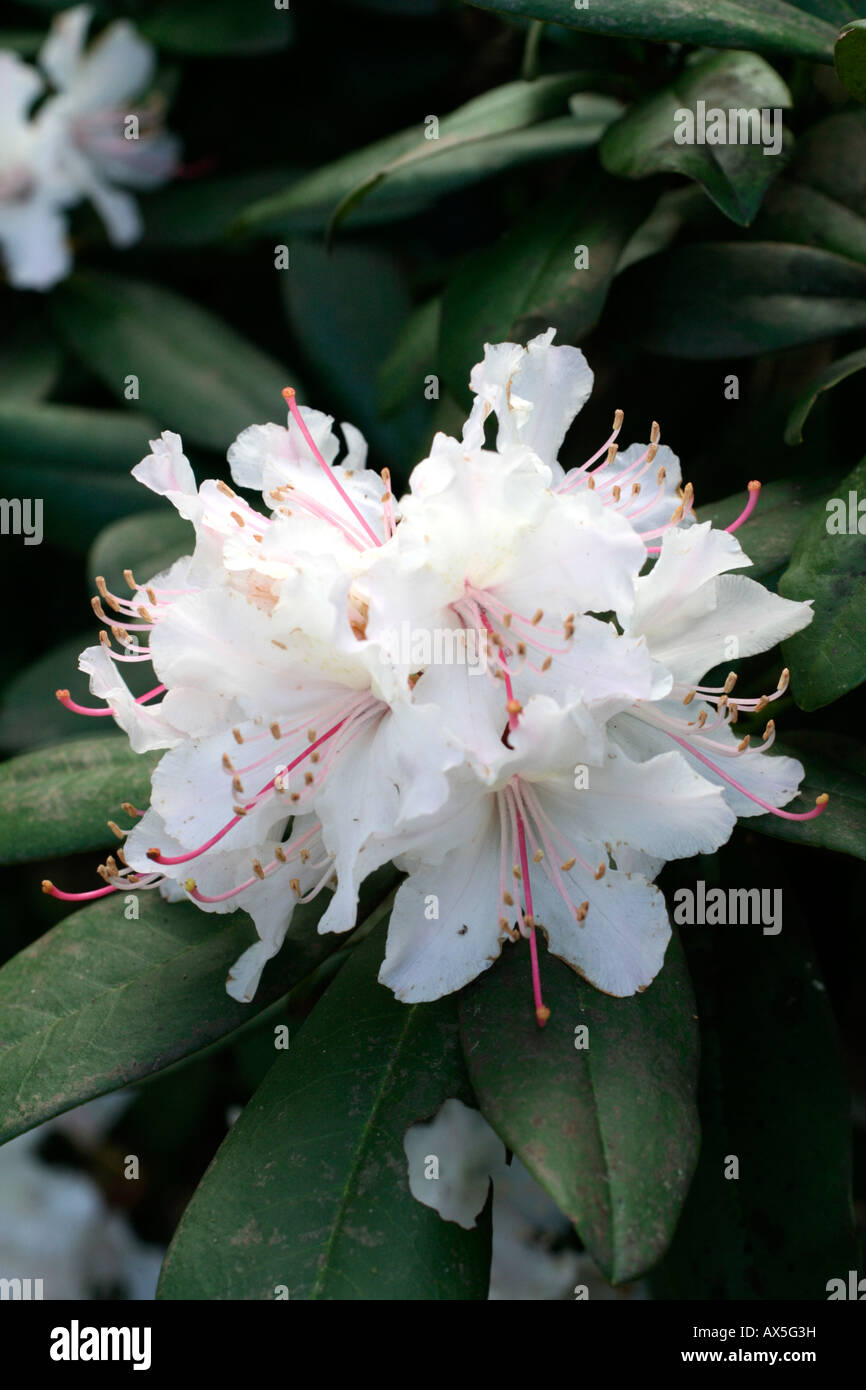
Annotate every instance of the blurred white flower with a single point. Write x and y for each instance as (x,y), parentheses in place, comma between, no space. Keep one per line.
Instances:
(87,137)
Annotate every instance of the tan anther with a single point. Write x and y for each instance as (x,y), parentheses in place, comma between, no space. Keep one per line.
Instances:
(282,646)
(239,810)
(762,704)
(537,616)
(569,864)
(130,579)
(311,735)
(309,779)
(635,489)
(580,912)
(702,718)
(121,856)
(225,489)
(521,649)
(295,885)
(730,682)
(295,796)
(280,853)
(744,743)
(128,807)
(96,605)
(151,594)
(116,830)
(735,711)
(305,856)
(770,729)
(109,597)
(529,920)
(618,417)
(237,735)
(590,483)
(538,856)
(661,475)
(616,492)
(651,452)
(104,638)
(119,634)
(612,453)
(237,785)
(47,886)
(514,706)
(546,663)
(655,432)
(111,866)
(143,613)
(507,619)
(314,757)
(236,516)
(601,871)
(515,869)
(228,765)
(257,869)
(507,899)
(687,699)
(784,679)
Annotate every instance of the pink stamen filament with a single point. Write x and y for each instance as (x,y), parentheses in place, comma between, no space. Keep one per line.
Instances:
(773,810)
(289,395)
(75,708)
(754,493)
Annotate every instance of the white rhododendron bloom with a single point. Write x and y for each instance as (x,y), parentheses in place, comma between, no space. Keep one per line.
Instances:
(311,736)
(87,139)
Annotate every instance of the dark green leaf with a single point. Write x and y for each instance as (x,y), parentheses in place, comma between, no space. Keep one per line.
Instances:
(833,764)
(72,437)
(310,1189)
(769,26)
(821,199)
(105,999)
(824,381)
(29,362)
(223,27)
(398,175)
(528,281)
(58,800)
(195,373)
(77,502)
(850,59)
(611,1131)
(735,175)
(200,213)
(769,535)
(412,358)
(717,300)
(828,658)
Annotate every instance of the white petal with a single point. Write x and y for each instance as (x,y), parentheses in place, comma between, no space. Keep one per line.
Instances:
(468,1155)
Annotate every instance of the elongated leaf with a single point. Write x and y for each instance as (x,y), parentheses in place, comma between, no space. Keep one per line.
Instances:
(412,359)
(611,1129)
(309,1192)
(29,360)
(835,764)
(824,381)
(769,26)
(181,27)
(58,800)
(200,213)
(828,658)
(850,59)
(535,277)
(771,532)
(195,373)
(69,436)
(463,158)
(821,198)
(107,998)
(147,544)
(779,1224)
(717,300)
(77,502)
(398,175)
(735,175)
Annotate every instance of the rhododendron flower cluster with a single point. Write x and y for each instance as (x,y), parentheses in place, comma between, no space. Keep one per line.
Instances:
(79,142)
(305,746)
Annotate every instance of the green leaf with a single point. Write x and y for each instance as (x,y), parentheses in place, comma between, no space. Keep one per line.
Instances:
(768,537)
(346,308)
(223,28)
(460,158)
(828,658)
(70,436)
(196,374)
(29,361)
(77,502)
(769,26)
(611,1130)
(30,714)
(310,1190)
(833,764)
(850,59)
(413,357)
(735,175)
(528,281)
(831,376)
(104,999)
(57,801)
(400,174)
(200,213)
(821,199)
(718,300)
(772,1095)
(147,544)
